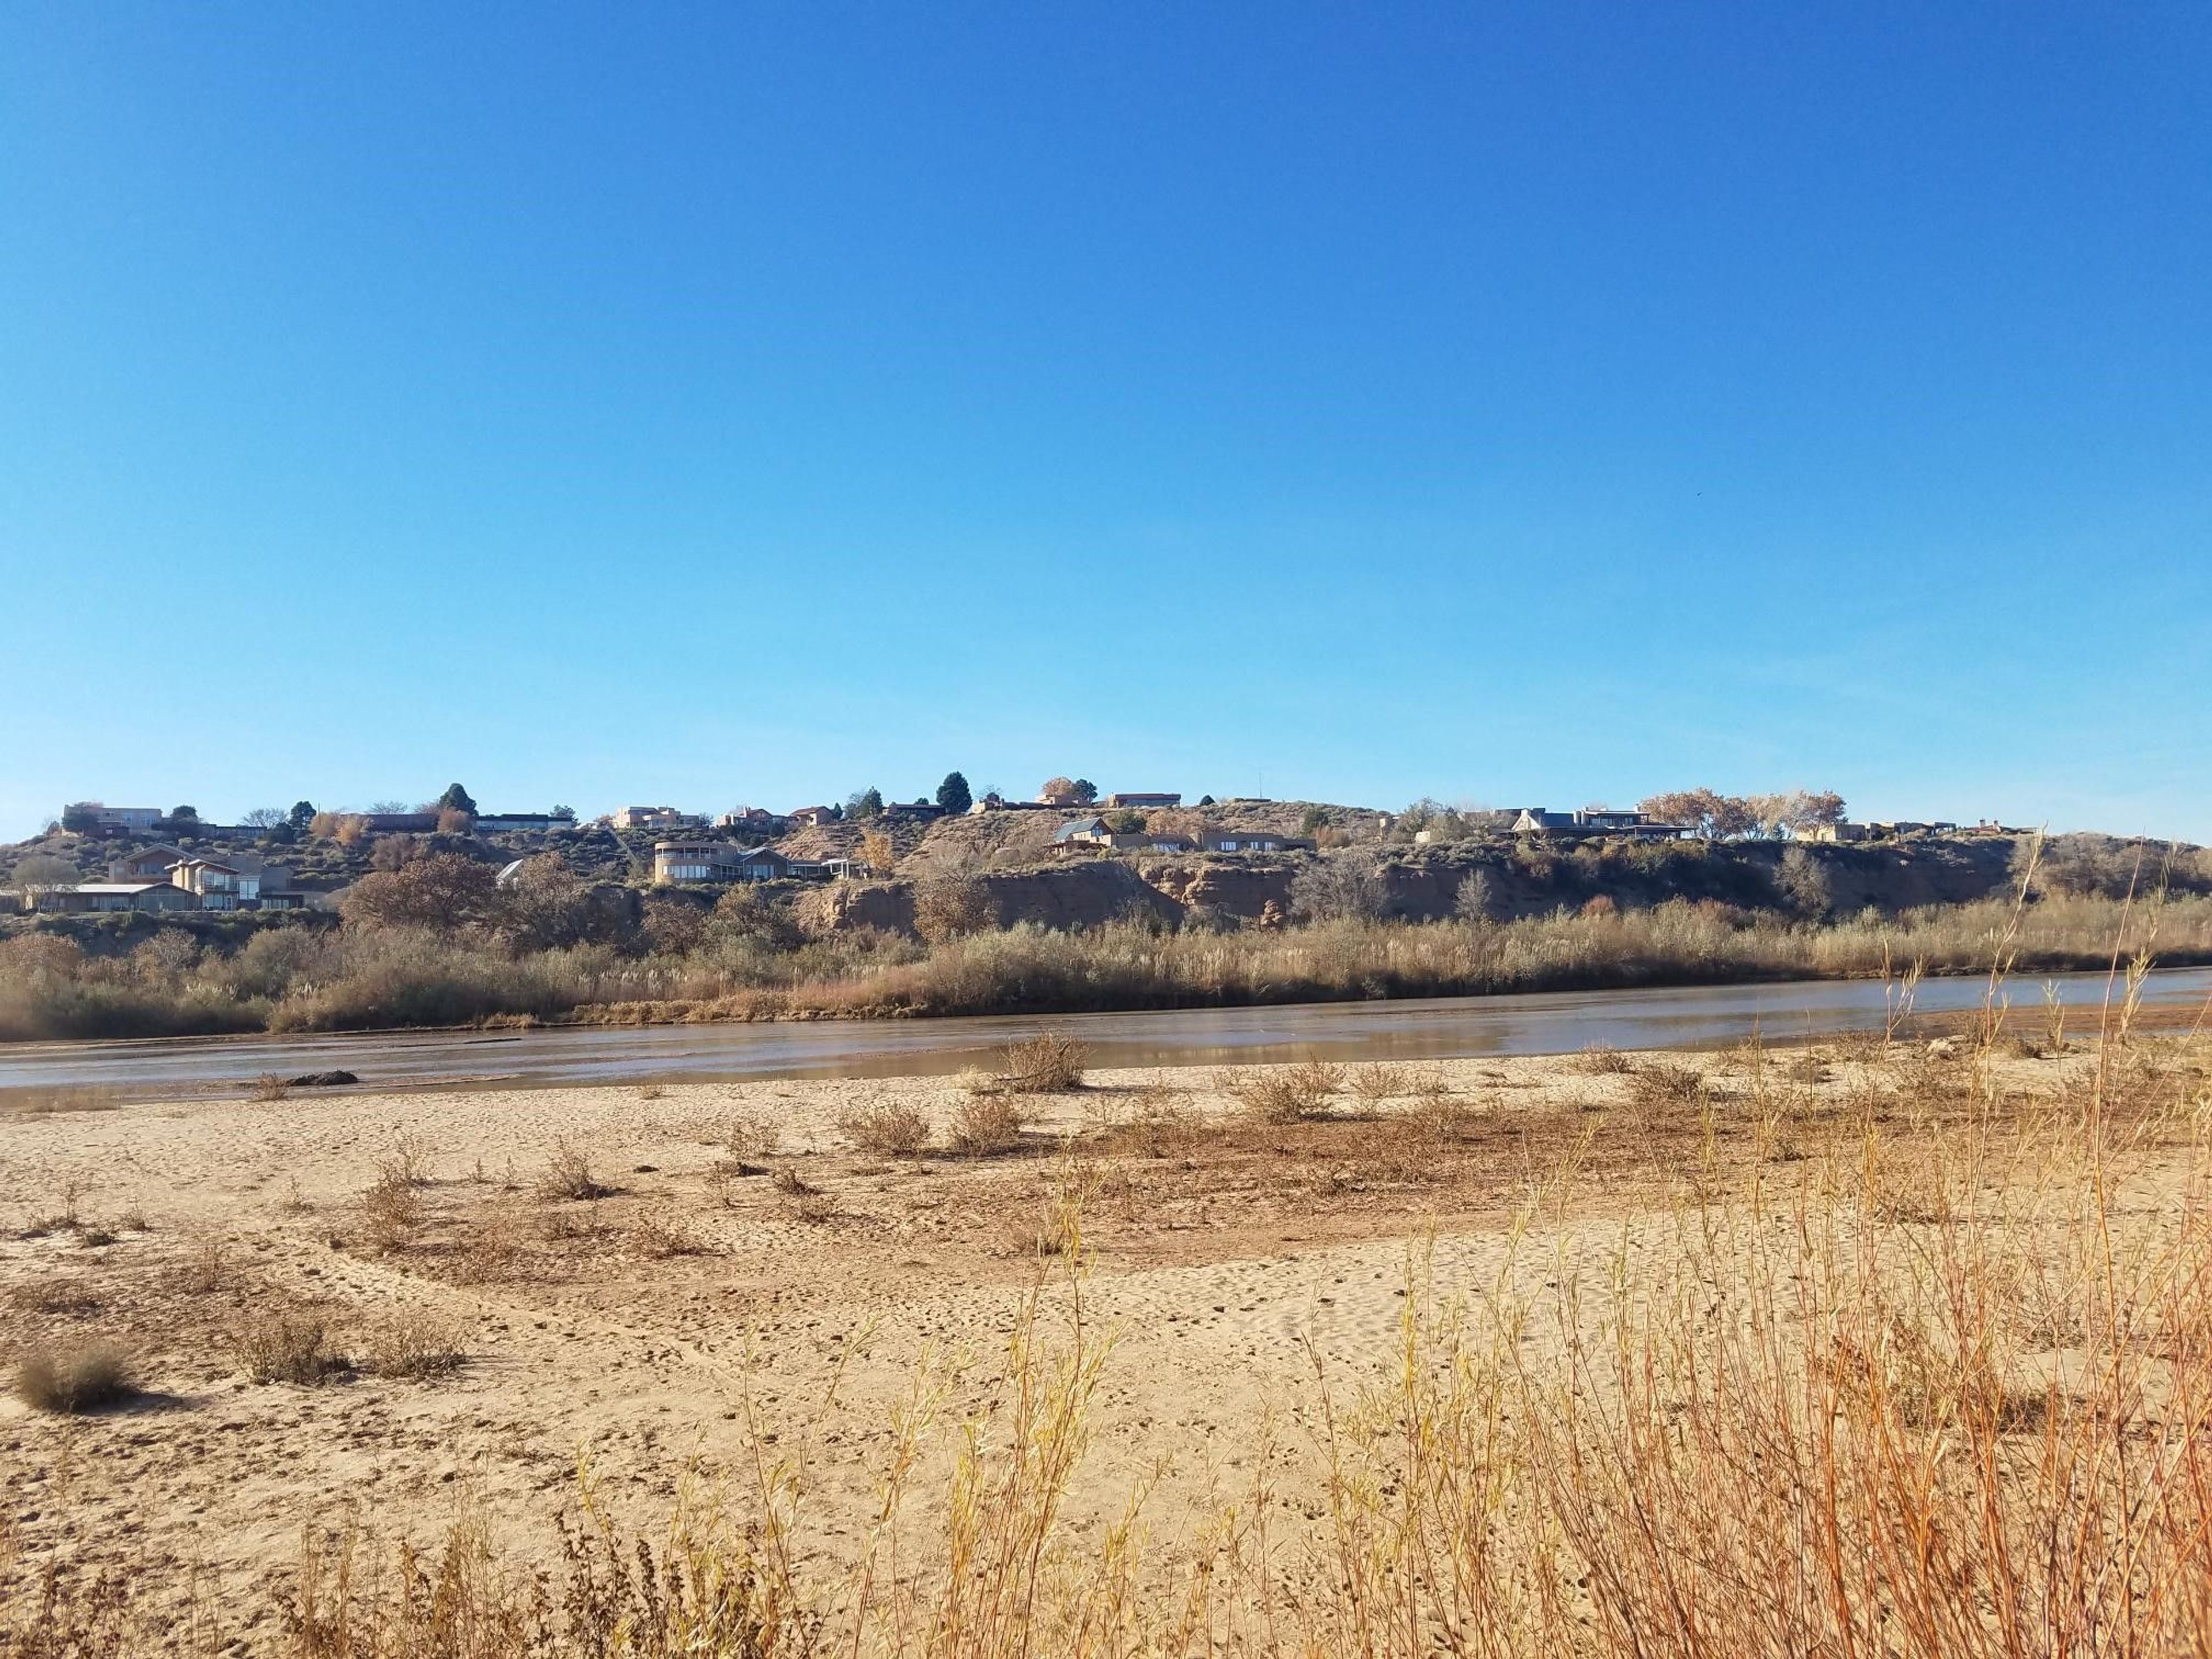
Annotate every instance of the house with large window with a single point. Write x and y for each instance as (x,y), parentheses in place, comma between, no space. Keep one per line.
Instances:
(1592,820)
(101,896)
(717,863)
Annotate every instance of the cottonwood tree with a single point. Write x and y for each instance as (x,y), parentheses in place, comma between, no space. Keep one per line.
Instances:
(443,890)
(1711,814)
(1338,890)
(1796,810)
(265,817)
(950,906)
(545,905)
(1718,817)
(1804,882)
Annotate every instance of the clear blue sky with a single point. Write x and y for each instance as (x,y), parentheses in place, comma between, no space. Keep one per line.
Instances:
(719,404)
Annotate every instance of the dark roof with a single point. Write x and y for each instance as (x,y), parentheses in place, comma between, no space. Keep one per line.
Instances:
(1075,827)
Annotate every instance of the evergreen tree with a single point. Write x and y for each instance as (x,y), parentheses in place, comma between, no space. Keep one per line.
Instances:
(952,794)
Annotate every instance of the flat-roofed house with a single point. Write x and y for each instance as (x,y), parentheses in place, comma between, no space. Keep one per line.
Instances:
(758,818)
(1592,820)
(499,823)
(98,818)
(109,896)
(1248,841)
(1140,798)
(717,862)
(654,817)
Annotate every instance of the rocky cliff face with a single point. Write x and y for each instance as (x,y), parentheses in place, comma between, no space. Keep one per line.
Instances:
(1519,879)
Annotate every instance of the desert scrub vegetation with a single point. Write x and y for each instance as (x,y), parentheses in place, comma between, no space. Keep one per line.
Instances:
(78,1378)
(291,1347)
(1781,1414)
(985,1123)
(1284,1094)
(892,1128)
(568,1177)
(1048,1063)
(387,966)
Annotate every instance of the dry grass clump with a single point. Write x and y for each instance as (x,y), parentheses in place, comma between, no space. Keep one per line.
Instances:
(491,1250)
(1158,1121)
(1284,1094)
(983,1124)
(408,1163)
(560,1226)
(657,1239)
(1602,1059)
(1442,1115)
(71,1380)
(413,1347)
(286,1347)
(893,1129)
(750,1134)
(1661,1083)
(568,1176)
(1049,1229)
(204,1271)
(391,1211)
(1373,1085)
(74,1296)
(1808,1066)
(1048,1063)
(68,1219)
(270,1086)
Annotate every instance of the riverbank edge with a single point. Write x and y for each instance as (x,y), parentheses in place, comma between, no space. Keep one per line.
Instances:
(759,1006)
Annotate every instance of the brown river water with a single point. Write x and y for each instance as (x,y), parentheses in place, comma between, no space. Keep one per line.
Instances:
(1443,1027)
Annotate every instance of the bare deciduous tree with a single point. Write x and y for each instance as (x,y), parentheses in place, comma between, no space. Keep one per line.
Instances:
(1338,890)
(950,906)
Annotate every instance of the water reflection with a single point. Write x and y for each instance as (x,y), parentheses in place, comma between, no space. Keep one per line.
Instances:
(1459,1027)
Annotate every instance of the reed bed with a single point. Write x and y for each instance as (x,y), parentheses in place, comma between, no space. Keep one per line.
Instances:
(355,978)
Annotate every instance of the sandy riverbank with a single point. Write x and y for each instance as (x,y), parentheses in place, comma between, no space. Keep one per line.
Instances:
(754,1278)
